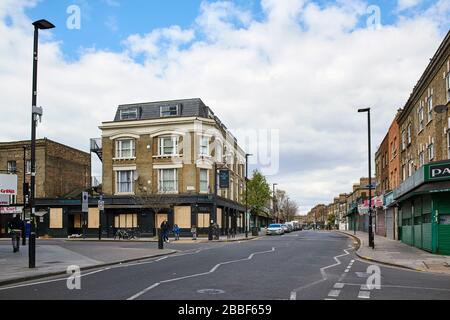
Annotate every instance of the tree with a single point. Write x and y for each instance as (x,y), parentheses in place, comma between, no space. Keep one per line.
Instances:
(331,220)
(289,209)
(258,191)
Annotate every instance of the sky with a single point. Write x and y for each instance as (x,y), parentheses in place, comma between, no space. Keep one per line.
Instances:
(295,69)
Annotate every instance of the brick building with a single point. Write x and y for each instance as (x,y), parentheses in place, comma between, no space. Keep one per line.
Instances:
(160,162)
(61,171)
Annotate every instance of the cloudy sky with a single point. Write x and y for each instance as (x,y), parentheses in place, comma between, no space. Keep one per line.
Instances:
(296,68)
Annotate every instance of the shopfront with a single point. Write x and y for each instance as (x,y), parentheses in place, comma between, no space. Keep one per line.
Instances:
(424,208)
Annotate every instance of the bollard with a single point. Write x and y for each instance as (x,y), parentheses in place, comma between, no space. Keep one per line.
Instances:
(210,234)
(99,232)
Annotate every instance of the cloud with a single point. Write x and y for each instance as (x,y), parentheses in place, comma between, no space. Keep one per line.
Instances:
(407,4)
(303,69)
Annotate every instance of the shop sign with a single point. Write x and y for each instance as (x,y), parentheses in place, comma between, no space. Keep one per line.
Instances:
(10,210)
(8,184)
(224,179)
(439,171)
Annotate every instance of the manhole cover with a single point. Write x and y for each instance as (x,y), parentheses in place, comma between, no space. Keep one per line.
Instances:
(210,291)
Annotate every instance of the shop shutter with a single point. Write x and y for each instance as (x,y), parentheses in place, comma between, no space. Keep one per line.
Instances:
(390,223)
(380,223)
(407,234)
(426,236)
(418,236)
(444,239)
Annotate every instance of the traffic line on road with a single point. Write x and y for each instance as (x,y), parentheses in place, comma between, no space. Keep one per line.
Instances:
(293,295)
(364,295)
(250,257)
(334,293)
(339,285)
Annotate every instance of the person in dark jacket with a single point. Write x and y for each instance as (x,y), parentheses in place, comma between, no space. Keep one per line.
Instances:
(16,226)
(165,231)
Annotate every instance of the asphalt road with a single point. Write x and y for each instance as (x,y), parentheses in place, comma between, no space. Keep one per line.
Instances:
(302,265)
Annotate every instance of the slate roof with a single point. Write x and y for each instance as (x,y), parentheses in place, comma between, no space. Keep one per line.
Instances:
(151,110)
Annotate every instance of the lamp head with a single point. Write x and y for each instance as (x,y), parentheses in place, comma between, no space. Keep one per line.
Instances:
(43,24)
(364,110)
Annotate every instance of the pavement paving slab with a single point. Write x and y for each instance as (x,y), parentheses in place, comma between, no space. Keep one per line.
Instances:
(393,252)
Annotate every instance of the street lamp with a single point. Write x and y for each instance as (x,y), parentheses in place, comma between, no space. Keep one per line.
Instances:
(35,113)
(274,199)
(371,236)
(246,220)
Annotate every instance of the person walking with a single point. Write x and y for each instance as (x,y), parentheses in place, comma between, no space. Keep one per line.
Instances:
(194,232)
(16,225)
(176,232)
(165,231)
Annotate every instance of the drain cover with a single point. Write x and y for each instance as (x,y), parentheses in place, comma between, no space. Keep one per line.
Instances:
(210,291)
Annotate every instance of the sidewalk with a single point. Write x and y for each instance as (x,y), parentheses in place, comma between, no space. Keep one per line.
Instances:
(203,239)
(54,260)
(396,253)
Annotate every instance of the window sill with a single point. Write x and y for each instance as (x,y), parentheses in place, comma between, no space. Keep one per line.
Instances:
(124,159)
(168,156)
(168,192)
(429,121)
(124,194)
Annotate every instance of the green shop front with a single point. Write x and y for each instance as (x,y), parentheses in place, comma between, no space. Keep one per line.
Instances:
(424,208)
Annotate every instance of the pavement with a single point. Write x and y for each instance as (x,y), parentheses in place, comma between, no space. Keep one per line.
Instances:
(53,256)
(303,265)
(396,253)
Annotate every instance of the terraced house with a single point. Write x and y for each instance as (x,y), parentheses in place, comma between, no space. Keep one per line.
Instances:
(161,161)
(423,197)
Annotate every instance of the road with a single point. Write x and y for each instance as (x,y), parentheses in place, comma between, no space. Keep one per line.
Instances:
(302,265)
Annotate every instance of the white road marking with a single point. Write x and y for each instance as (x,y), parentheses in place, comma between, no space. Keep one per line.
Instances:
(339,285)
(293,295)
(49,281)
(364,295)
(365,287)
(137,295)
(403,287)
(329,299)
(334,293)
(323,273)
(362,274)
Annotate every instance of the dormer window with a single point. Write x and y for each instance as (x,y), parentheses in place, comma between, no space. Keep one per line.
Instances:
(129,114)
(169,111)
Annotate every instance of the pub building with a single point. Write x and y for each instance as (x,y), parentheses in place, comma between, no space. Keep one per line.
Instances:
(423,202)
(169,160)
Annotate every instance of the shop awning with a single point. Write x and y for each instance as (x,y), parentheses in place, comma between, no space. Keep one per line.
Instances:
(428,188)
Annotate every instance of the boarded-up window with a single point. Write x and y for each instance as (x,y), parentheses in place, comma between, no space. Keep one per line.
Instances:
(203,220)
(183,216)
(126,220)
(93,218)
(77,221)
(160,217)
(56,221)
(219,217)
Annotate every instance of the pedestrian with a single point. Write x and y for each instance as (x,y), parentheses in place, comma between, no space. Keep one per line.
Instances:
(194,232)
(176,232)
(15,226)
(165,231)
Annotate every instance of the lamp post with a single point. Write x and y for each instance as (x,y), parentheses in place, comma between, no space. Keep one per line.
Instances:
(371,236)
(35,113)
(247,220)
(24,195)
(274,200)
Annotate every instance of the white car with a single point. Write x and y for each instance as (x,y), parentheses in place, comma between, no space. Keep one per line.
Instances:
(274,229)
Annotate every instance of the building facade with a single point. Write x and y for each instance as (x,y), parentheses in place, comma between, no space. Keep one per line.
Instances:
(162,160)
(60,171)
(422,198)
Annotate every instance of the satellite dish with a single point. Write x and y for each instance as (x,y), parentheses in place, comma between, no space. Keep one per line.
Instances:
(440,108)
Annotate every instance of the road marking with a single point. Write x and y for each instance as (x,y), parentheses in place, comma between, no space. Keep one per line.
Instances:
(342,277)
(49,281)
(364,295)
(293,295)
(365,287)
(334,293)
(403,287)
(339,285)
(323,273)
(329,299)
(362,274)
(140,293)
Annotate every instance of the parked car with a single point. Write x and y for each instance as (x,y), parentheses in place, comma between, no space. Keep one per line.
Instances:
(285,228)
(274,229)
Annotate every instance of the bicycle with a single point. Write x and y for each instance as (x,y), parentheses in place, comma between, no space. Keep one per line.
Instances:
(121,234)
